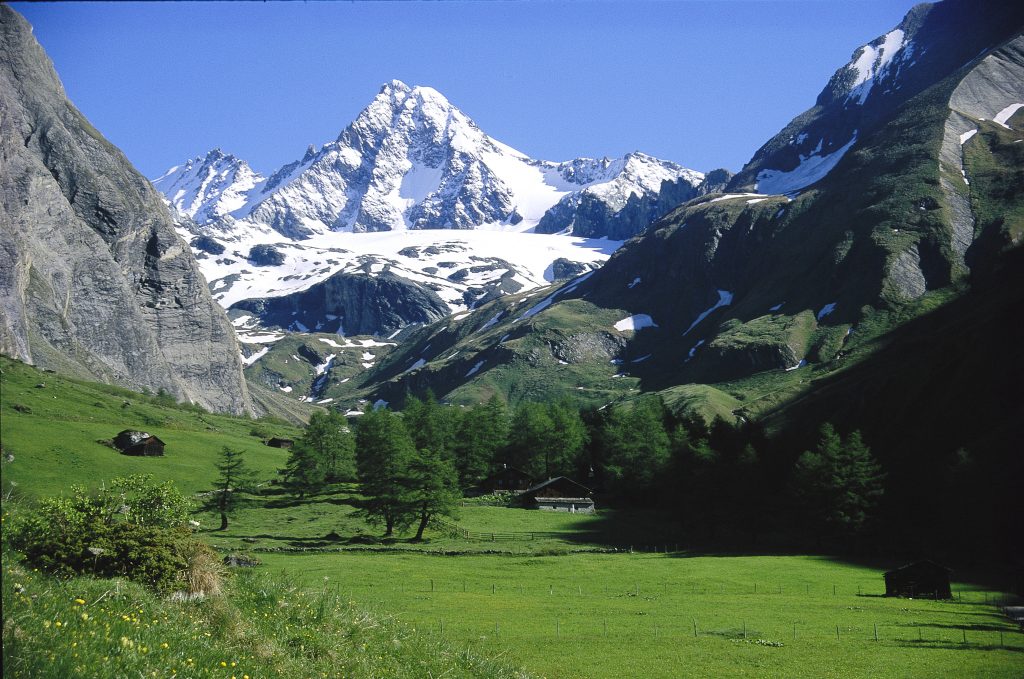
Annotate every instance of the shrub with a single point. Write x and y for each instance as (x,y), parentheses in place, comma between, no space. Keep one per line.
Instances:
(135,528)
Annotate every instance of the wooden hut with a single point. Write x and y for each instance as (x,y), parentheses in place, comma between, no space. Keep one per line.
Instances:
(920,579)
(560,494)
(505,479)
(141,443)
(280,443)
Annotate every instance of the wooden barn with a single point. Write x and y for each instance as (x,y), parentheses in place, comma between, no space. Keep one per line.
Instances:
(506,478)
(280,443)
(560,494)
(921,579)
(142,443)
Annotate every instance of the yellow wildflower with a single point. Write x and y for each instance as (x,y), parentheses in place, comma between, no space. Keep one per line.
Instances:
(80,602)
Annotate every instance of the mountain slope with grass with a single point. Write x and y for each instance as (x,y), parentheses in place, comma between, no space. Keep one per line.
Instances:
(757,296)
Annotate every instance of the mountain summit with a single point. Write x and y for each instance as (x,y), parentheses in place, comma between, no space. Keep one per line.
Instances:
(412,160)
(208,187)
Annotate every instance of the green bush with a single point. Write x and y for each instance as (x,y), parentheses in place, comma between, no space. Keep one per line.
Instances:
(135,528)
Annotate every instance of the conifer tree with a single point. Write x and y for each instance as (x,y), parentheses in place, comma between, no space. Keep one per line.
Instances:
(332,445)
(233,477)
(838,484)
(482,434)
(636,447)
(384,452)
(431,488)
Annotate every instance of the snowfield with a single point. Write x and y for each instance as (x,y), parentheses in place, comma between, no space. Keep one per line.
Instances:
(424,256)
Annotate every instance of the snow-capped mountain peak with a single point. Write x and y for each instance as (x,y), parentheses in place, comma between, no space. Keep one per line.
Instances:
(207,188)
(410,160)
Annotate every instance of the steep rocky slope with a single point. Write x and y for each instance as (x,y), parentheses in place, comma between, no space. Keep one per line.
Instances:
(94,280)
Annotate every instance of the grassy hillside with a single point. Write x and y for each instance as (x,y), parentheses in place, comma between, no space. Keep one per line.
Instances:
(264,626)
(51,428)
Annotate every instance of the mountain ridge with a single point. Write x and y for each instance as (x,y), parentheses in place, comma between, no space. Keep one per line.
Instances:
(412,160)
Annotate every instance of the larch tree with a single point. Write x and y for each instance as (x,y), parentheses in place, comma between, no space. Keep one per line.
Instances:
(233,477)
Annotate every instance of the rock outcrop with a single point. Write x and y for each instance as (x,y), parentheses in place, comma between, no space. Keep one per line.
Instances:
(94,281)
(360,303)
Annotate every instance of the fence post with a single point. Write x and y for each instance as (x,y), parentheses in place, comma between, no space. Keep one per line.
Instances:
(964,630)
(837,632)
(694,627)
(876,631)
(794,631)
(558,631)
(431,584)
(744,629)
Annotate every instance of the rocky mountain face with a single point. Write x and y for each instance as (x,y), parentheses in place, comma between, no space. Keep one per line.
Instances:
(94,280)
(900,189)
(302,247)
(932,42)
(368,304)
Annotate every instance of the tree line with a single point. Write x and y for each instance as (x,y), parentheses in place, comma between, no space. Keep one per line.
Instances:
(722,482)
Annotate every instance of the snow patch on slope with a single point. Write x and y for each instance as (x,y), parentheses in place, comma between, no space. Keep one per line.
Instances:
(724,299)
(635,322)
(1007,113)
(873,62)
(811,169)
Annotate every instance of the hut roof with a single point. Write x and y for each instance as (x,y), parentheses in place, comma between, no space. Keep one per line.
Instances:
(131,437)
(923,564)
(564,483)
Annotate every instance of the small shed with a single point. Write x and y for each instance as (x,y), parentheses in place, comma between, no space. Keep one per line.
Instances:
(560,494)
(506,478)
(142,443)
(921,579)
(280,443)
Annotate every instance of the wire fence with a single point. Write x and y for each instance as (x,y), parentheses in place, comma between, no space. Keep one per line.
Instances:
(684,617)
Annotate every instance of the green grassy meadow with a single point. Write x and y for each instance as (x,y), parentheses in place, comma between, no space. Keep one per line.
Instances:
(619,615)
(576,602)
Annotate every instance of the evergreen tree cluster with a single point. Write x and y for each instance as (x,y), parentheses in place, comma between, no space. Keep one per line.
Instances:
(722,482)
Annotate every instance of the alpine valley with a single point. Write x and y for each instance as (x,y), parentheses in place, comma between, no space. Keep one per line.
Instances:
(862,268)
(462,412)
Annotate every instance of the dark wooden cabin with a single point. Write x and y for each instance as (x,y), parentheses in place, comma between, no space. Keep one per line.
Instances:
(506,478)
(141,443)
(280,443)
(560,494)
(921,579)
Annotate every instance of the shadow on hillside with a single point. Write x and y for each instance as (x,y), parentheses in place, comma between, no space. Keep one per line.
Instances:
(956,646)
(291,501)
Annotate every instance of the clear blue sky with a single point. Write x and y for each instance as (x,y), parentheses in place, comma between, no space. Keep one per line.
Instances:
(702,83)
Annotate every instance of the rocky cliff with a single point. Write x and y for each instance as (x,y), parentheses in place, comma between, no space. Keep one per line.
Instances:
(94,281)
